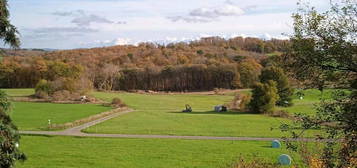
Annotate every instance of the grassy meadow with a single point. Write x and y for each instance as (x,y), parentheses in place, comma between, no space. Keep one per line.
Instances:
(73,152)
(161,114)
(154,114)
(19,92)
(35,116)
(310,100)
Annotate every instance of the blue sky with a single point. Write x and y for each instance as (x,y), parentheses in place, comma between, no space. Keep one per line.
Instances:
(66,24)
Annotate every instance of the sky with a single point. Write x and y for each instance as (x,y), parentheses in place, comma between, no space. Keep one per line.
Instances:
(68,24)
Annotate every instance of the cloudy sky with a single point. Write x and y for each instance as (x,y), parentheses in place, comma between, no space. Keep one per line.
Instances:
(66,24)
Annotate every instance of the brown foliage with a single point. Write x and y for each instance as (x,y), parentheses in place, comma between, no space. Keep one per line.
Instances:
(254,163)
(280,113)
(41,94)
(117,102)
(240,102)
(200,65)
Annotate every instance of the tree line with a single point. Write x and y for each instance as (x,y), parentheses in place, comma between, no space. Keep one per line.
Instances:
(204,64)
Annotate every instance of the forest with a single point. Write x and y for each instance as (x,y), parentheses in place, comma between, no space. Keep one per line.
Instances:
(205,64)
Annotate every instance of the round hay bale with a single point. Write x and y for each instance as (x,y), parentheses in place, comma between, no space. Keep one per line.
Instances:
(276,144)
(285,160)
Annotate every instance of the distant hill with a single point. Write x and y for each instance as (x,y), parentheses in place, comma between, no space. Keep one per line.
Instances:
(204,51)
(23,52)
(204,64)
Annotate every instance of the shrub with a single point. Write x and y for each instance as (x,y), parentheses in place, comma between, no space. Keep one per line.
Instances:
(117,102)
(43,89)
(41,94)
(245,100)
(240,102)
(61,95)
(264,97)
(80,85)
(280,113)
(64,84)
(63,89)
(218,91)
(285,90)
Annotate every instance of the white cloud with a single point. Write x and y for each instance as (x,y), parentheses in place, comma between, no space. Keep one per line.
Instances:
(69,13)
(84,19)
(144,20)
(48,30)
(122,41)
(266,36)
(172,39)
(202,15)
(190,19)
(105,43)
(226,10)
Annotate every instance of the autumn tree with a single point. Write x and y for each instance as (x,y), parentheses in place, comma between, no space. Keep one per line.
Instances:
(324,44)
(107,76)
(249,70)
(213,61)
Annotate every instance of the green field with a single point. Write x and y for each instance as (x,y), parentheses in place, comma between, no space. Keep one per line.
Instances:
(19,92)
(310,100)
(72,152)
(155,114)
(161,114)
(35,116)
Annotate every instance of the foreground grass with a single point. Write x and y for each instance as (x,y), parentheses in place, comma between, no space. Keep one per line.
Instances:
(161,114)
(35,116)
(72,152)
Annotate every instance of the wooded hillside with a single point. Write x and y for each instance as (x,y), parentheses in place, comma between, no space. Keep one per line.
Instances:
(199,65)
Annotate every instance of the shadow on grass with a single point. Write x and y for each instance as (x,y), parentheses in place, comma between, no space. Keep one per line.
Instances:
(39,135)
(51,136)
(213,112)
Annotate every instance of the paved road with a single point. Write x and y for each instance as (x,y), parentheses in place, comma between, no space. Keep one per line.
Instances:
(81,134)
(77,131)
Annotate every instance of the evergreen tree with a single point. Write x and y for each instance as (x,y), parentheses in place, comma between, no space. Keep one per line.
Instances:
(9,137)
(8,32)
(285,91)
(264,97)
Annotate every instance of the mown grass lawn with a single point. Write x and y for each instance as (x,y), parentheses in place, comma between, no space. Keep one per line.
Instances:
(310,100)
(161,114)
(72,152)
(35,116)
(19,92)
